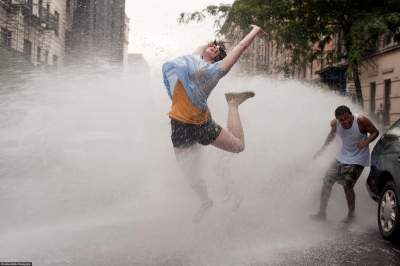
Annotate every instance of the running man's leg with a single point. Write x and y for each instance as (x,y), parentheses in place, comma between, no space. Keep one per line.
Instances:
(351,202)
(232,138)
(325,195)
(330,179)
(351,199)
(231,191)
(189,161)
(350,177)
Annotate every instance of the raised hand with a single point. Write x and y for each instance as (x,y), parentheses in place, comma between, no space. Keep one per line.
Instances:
(258,28)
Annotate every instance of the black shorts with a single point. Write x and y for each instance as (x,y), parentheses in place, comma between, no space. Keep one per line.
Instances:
(184,135)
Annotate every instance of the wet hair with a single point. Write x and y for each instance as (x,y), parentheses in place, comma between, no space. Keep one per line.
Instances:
(341,110)
(222,51)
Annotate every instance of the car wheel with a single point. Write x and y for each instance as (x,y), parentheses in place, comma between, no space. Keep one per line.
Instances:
(388,212)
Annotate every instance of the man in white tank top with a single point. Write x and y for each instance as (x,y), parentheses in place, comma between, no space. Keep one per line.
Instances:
(356,133)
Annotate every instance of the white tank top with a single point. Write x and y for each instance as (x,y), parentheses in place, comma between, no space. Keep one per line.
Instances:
(350,154)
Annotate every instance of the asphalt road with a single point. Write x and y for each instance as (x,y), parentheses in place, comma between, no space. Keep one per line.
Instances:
(350,248)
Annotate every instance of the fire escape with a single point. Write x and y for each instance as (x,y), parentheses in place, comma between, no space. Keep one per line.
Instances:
(28,25)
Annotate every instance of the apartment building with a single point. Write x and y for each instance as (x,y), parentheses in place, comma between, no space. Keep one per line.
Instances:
(49,33)
(379,72)
(99,31)
(32,32)
(126,41)
(379,77)
(380,81)
(263,56)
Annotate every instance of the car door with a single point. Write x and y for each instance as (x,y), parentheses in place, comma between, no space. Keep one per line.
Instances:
(390,151)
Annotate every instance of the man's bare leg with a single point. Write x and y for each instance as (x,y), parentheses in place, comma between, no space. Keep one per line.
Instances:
(325,194)
(223,171)
(232,138)
(351,202)
(230,189)
(188,159)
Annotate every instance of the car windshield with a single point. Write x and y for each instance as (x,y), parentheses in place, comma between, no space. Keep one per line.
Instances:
(395,129)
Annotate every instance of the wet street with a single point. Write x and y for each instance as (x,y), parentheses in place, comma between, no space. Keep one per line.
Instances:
(349,248)
(88,177)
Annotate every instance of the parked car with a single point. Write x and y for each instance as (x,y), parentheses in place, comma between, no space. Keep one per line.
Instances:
(383,182)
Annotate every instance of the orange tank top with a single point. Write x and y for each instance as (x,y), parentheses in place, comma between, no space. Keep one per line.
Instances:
(183,109)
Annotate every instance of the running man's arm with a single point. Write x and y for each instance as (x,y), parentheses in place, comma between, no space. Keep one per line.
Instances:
(237,51)
(366,126)
(329,138)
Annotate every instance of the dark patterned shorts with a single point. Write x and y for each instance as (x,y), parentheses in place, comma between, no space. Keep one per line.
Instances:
(184,135)
(344,174)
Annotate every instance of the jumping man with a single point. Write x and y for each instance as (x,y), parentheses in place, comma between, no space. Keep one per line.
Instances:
(189,81)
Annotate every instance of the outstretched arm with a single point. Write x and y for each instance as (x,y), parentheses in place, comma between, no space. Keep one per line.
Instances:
(237,51)
(329,138)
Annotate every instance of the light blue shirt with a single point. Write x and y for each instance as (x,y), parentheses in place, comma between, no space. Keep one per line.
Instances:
(198,77)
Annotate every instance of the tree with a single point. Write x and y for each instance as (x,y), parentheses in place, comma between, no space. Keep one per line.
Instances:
(300,24)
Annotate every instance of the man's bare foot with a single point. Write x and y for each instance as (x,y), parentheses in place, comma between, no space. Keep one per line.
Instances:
(349,219)
(320,216)
(236,98)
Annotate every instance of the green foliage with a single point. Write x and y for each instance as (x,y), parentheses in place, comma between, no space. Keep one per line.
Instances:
(219,14)
(298,25)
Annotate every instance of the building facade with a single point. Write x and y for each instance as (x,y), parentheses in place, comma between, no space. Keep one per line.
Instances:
(263,56)
(379,72)
(32,32)
(380,82)
(126,41)
(49,33)
(99,31)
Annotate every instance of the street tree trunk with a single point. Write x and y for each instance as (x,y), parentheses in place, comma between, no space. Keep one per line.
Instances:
(353,64)
(357,85)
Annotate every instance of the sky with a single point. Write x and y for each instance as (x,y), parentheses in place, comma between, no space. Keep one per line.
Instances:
(156,33)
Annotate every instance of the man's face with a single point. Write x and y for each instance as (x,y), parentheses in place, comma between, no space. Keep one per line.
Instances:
(212,51)
(346,120)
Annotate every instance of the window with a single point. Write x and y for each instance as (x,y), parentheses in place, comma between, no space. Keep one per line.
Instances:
(94,17)
(386,103)
(27,48)
(55,60)
(68,9)
(339,46)
(39,54)
(387,40)
(5,38)
(57,23)
(30,6)
(372,103)
(46,56)
(41,11)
